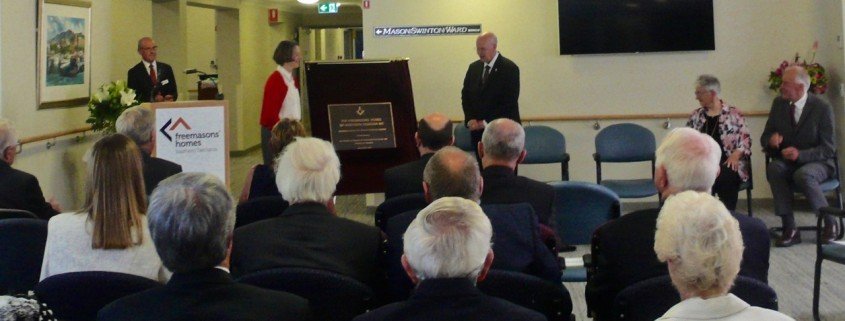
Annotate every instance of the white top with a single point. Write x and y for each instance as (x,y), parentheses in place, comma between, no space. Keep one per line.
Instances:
(69,250)
(727,307)
(290,105)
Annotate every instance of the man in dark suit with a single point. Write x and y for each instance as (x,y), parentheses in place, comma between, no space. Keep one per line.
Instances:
(191,218)
(447,250)
(137,124)
(800,138)
(152,80)
(452,172)
(20,190)
(491,88)
(623,249)
(308,233)
(433,132)
(502,147)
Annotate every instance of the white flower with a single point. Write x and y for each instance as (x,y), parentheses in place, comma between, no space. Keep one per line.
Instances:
(100,96)
(127,97)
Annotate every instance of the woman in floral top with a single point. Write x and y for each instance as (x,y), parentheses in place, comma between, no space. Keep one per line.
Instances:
(726,124)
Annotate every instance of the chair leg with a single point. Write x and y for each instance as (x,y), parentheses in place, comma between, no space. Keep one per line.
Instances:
(817,288)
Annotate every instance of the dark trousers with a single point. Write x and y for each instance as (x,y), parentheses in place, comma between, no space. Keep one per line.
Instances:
(727,186)
(475,137)
(265,146)
(783,176)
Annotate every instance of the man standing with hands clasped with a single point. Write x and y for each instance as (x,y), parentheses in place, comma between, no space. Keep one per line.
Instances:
(799,136)
(152,80)
(491,88)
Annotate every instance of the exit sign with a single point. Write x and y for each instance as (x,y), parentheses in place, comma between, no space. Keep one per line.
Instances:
(328,7)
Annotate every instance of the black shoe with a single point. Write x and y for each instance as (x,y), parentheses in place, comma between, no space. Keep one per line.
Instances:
(829,234)
(789,238)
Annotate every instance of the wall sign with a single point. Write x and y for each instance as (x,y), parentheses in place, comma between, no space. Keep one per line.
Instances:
(361,126)
(450,30)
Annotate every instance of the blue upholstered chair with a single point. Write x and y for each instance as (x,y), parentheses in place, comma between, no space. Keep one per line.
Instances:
(22,242)
(552,300)
(398,205)
(259,208)
(79,295)
(834,252)
(626,143)
(545,145)
(650,299)
(13,213)
(331,296)
(463,140)
(580,208)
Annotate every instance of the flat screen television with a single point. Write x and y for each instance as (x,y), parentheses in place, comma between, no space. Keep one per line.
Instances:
(627,26)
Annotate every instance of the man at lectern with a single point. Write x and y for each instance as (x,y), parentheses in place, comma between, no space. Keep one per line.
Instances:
(491,88)
(152,80)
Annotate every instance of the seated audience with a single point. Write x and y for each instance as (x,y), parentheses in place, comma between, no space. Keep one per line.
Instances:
(623,248)
(502,148)
(308,233)
(137,123)
(20,190)
(726,124)
(452,172)
(433,133)
(191,219)
(261,179)
(110,232)
(447,250)
(701,244)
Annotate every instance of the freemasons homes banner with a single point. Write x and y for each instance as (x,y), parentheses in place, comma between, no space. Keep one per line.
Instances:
(195,135)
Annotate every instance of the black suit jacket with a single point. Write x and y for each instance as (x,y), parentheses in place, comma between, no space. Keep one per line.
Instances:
(206,295)
(20,190)
(497,98)
(451,299)
(516,245)
(308,235)
(156,170)
(503,186)
(406,178)
(139,79)
(814,136)
(623,253)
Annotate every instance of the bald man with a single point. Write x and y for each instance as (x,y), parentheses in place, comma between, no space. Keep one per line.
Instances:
(491,88)
(433,133)
(152,80)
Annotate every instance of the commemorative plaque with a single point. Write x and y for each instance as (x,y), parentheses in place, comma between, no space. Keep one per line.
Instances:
(361,126)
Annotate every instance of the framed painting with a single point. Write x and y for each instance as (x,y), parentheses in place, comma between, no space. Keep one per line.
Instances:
(64,53)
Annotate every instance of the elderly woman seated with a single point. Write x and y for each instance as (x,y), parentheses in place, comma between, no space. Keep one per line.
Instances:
(700,241)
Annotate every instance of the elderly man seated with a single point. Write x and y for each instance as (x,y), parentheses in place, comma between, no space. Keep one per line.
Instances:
(191,218)
(700,242)
(308,233)
(447,250)
(137,124)
(20,190)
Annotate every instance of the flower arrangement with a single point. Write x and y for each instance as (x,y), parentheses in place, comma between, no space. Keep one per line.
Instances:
(108,103)
(818,78)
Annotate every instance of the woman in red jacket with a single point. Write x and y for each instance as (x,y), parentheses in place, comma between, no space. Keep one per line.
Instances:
(281,94)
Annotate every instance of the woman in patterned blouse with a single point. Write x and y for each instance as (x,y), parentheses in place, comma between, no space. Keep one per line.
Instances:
(726,124)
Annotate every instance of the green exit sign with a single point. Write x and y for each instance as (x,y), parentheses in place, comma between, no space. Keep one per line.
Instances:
(328,7)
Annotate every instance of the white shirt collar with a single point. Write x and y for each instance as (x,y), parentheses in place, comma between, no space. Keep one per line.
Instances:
(493,61)
(697,308)
(799,105)
(288,76)
(147,65)
(223,269)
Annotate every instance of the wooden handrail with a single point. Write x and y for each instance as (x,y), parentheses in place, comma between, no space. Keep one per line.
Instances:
(38,138)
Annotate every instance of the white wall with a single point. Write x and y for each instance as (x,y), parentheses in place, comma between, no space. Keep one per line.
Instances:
(201,41)
(59,169)
(752,37)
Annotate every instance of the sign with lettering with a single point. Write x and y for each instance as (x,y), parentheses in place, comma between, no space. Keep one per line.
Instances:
(450,30)
(362,126)
(194,134)
(328,7)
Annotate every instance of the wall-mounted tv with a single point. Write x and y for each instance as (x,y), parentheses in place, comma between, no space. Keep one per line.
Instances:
(624,26)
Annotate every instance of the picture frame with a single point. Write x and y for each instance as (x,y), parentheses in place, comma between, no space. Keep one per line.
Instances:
(63,72)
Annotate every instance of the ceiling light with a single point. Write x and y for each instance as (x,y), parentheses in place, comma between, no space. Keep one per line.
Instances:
(307,1)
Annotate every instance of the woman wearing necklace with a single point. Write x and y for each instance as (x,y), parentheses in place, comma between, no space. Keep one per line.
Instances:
(726,124)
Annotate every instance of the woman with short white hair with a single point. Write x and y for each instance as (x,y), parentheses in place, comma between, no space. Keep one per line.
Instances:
(701,243)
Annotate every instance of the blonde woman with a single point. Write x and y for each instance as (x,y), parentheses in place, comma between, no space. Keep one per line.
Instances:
(261,179)
(110,232)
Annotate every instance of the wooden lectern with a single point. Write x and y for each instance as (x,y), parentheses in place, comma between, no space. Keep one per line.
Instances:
(366,109)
